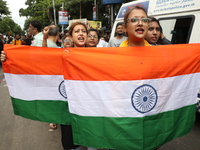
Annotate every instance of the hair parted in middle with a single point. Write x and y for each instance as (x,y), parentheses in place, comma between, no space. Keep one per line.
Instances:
(75,24)
(130,10)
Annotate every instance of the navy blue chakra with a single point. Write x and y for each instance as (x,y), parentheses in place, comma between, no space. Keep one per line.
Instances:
(62,90)
(144,98)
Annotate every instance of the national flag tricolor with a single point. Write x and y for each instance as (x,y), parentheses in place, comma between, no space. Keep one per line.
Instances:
(36,84)
(131,98)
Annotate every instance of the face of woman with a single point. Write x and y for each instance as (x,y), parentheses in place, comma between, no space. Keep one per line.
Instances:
(153,33)
(137,25)
(67,42)
(79,36)
(92,39)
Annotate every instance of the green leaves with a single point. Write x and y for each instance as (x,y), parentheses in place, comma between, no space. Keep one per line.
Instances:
(6,22)
(3,8)
(8,25)
(42,10)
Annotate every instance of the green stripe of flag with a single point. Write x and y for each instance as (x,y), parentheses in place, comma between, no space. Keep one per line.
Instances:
(43,110)
(133,133)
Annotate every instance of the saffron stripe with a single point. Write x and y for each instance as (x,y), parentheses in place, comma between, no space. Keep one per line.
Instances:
(131,63)
(33,60)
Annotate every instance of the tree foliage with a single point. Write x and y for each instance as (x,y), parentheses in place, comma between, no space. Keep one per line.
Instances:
(6,22)
(3,8)
(8,25)
(43,11)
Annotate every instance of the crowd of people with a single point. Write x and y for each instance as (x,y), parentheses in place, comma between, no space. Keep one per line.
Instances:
(137,30)
(153,35)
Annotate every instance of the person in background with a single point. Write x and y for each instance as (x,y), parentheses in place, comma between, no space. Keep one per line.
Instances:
(66,42)
(8,38)
(35,30)
(155,33)
(119,38)
(59,40)
(93,38)
(101,43)
(17,40)
(28,39)
(1,38)
(136,25)
(103,38)
(50,36)
(23,38)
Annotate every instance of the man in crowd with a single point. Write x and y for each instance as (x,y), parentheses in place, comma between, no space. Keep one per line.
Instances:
(35,30)
(28,39)
(119,38)
(51,35)
(8,38)
(17,40)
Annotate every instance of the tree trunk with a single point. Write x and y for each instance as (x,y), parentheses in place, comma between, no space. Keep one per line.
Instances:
(80,10)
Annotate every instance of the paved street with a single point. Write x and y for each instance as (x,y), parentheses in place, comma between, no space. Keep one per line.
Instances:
(17,133)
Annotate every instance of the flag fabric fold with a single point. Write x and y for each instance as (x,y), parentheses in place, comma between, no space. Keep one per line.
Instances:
(134,98)
(36,84)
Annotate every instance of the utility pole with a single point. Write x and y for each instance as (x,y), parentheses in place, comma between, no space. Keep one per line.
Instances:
(80,9)
(63,24)
(112,16)
(95,10)
(54,13)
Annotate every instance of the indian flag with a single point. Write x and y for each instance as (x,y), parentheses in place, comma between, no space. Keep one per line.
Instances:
(36,84)
(132,98)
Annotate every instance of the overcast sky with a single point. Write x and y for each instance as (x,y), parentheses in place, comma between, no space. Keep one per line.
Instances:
(14,6)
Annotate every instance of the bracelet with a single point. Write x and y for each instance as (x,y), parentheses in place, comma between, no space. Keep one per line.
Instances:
(44,37)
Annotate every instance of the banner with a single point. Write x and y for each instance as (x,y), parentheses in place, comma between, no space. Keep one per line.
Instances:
(95,12)
(132,98)
(63,17)
(77,20)
(95,24)
(176,6)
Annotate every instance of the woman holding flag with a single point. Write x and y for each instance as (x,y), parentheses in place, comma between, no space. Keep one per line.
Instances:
(136,26)
(78,34)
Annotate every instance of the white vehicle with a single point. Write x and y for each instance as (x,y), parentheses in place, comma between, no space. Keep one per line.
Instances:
(180,19)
